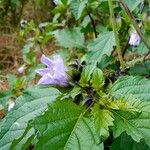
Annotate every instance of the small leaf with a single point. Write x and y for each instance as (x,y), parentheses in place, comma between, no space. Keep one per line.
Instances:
(97,79)
(86,75)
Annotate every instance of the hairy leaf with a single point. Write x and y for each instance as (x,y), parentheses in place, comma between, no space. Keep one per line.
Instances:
(136,124)
(101,46)
(139,87)
(33,103)
(64,127)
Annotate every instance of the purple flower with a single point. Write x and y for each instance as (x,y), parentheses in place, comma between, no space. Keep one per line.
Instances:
(21,69)
(54,73)
(134,39)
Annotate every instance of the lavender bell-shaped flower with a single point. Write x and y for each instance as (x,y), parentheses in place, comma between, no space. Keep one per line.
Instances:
(54,73)
(134,39)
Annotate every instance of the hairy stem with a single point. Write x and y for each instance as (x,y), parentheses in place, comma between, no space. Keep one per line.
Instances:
(116,33)
(132,19)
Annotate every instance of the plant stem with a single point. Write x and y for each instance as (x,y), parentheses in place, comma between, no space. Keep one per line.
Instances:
(132,19)
(92,21)
(122,64)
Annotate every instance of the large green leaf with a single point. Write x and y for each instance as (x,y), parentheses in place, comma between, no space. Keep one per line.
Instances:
(103,45)
(135,120)
(125,142)
(136,124)
(103,119)
(70,38)
(33,103)
(139,87)
(63,126)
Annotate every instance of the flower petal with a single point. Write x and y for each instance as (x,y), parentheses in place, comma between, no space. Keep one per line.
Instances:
(46,61)
(46,79)
(43,72)
(59,64)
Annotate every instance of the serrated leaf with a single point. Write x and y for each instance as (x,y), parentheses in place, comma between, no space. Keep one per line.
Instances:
(70,38)
(103,119)
(135,124)
(64,127)
(97,78)
(135,120)
(33,103)
(125,142)
(101,46)
(139,87)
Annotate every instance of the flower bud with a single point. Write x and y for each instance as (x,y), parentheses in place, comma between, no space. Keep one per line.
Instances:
(21,69)
(134,39)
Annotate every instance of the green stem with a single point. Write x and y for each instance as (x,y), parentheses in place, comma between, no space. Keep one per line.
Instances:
(132,19)
(122,64)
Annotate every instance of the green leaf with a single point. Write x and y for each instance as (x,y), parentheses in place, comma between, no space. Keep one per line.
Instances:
(103,119)
(22,142)
(63,126)
(140,69)
(86,75)
(139,87)
(142,49)
(77,8)
(70,38)
(133,4)
(101,46)
(33,103)
(135,120)
(136,124)
(125,142)
(97,79)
